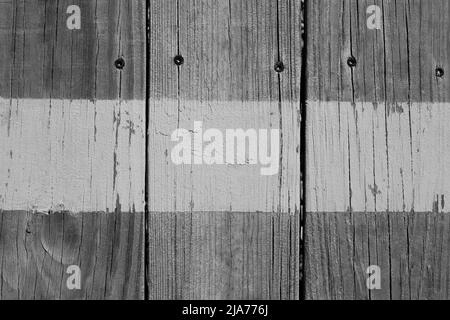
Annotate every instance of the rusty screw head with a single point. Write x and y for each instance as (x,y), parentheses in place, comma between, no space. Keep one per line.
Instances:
(119,63)
(439,72)
(279,67)
(178,60)
(351,61)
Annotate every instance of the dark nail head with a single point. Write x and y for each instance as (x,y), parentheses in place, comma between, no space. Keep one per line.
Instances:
(351,61)
(439,72)
(279,67)
(178,60)
(119,63)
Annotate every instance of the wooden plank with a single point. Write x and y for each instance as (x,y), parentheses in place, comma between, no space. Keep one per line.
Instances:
(72,141)
(44,59)
(36,251)
(376,148)
(227,82)
(410,248)
(362,158)
(213,255)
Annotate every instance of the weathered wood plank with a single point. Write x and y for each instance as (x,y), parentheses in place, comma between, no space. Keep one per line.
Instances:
(227,81)
(394,64)
(76,156)
(72,149)
(362,158)
(377,149)
(226,255)
(410,248)
(36,251)
(44,59)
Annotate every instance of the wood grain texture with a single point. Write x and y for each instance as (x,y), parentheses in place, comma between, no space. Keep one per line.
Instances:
(377,149)
(42,58)
(72,155)
(395,64)
(410,248)
(227,81)
(72,149)
(227,255)
(36,250)
(362,157)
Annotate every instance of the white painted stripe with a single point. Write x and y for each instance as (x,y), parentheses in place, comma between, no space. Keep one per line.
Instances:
(370,158)
(78,156)
(239,188)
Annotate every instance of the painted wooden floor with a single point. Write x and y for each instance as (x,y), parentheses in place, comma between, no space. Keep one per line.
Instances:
(90,118)
(73,134)
(37,250)
(376,140)
(224,231)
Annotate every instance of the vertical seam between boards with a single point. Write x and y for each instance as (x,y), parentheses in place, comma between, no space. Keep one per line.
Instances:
(147,123)
(303,97)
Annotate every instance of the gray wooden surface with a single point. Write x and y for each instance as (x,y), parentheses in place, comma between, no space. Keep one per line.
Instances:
(224,231)
(377,174)
(213,255)
(36,251)
(78,155)
(72,149)
(410,248)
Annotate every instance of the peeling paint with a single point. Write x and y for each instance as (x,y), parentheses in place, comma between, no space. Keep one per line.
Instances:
(85,173)
(357,148)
